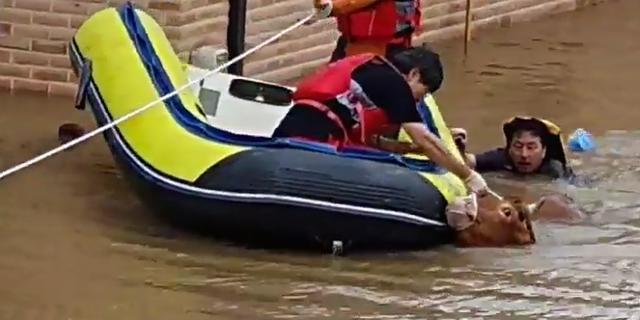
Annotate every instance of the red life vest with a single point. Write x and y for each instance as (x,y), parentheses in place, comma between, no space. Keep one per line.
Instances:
(381,21)
(334,82)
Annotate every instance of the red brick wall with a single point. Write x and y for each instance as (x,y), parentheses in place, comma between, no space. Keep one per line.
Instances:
(34,33)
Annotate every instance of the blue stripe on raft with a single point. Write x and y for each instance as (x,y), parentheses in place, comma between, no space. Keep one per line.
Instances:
(194,125)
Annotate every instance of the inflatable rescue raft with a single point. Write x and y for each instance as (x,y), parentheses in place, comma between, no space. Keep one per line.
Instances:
(241,186)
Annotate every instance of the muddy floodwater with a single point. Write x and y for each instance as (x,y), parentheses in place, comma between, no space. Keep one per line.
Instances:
(76,244)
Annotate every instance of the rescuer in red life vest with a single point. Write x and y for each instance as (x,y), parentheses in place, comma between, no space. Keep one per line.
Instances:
(382,27)
(353,101)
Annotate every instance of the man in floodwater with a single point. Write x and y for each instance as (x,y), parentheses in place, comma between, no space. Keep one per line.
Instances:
(357,99)
(533,146)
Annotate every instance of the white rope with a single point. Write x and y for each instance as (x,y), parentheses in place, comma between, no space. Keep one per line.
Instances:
(494,194)
(132,114)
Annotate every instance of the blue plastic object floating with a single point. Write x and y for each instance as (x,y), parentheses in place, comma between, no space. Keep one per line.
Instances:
(581,141)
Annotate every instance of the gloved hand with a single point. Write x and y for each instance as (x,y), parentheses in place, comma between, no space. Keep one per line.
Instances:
(323,7)
(476,183)
(462,212)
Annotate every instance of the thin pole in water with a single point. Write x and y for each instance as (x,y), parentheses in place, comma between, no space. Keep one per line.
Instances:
(467,27)
(236,33)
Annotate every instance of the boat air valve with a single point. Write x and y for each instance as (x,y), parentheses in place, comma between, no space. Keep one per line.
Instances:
(337,247)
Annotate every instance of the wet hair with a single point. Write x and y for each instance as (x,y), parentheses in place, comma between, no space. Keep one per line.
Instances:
(535,128)
(427,62)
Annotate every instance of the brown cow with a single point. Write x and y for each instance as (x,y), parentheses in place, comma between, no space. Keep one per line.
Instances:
(504,222)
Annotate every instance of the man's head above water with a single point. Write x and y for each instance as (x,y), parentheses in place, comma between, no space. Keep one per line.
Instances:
(527,148)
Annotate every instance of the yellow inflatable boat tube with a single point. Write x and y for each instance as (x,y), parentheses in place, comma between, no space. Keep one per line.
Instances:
(238,184)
